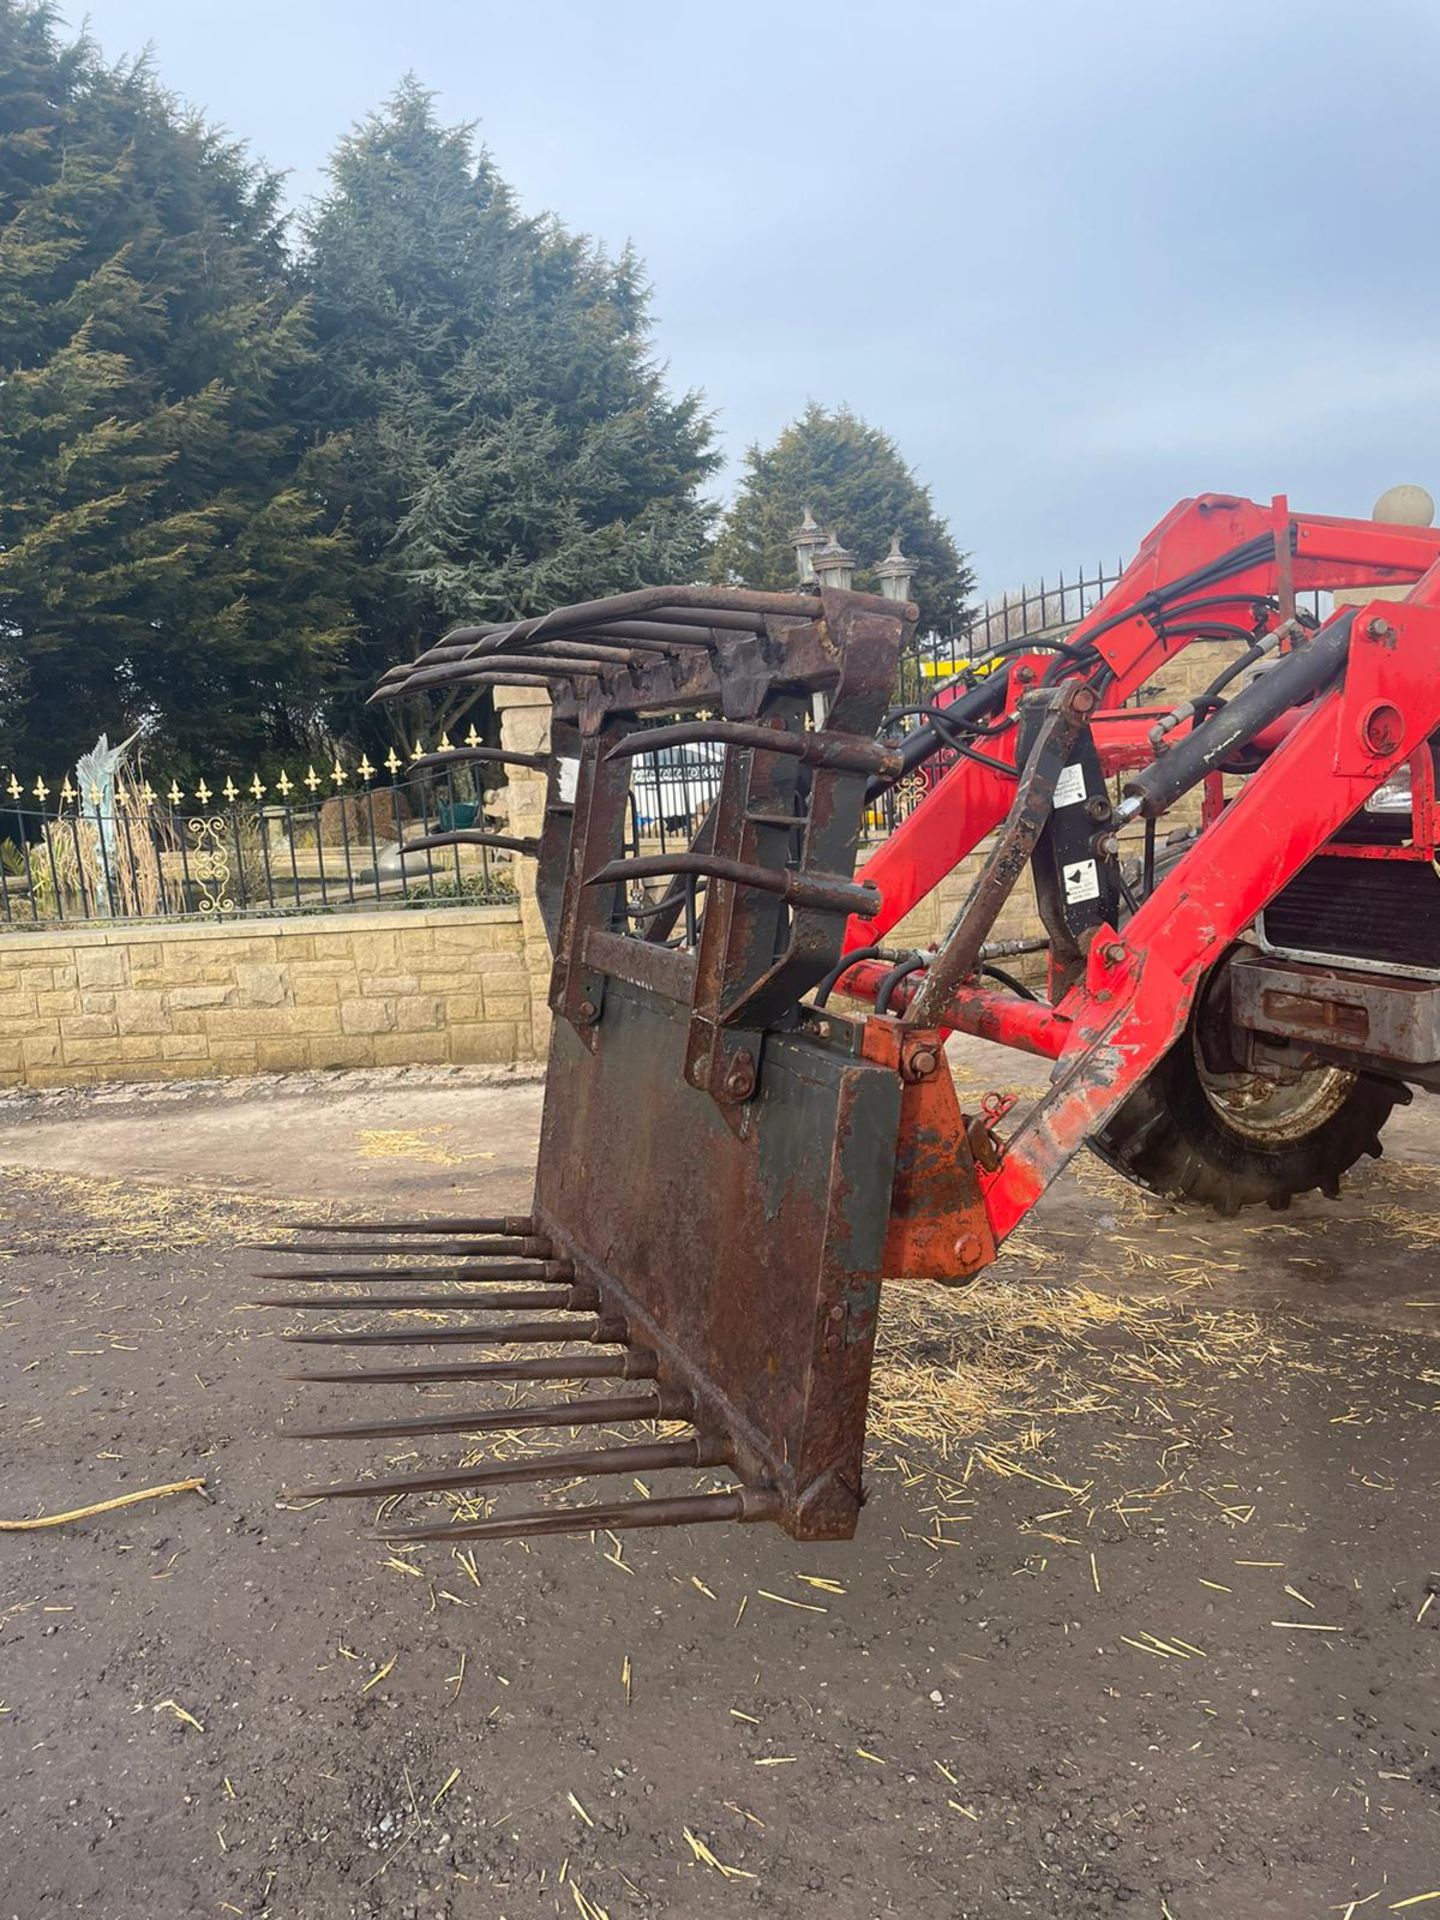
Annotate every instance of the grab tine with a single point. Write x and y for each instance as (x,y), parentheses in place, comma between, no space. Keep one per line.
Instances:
(531,1249)
(470,837)
(560,1299)
(608,1331)
(684,1510)
(508,1225)
(554,1270)
(633,1365)
(642,1457)
(668,1403)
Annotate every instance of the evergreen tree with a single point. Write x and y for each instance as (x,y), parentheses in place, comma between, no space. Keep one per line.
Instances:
(502,441)
(853,478)
(162,564)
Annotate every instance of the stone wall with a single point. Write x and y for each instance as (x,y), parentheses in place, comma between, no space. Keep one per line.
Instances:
(186,1001)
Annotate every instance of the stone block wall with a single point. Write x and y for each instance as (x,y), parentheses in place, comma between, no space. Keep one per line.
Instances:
(396,987)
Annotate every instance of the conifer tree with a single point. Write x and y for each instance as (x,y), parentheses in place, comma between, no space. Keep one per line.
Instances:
(502,440)
(162,562)
(854,479)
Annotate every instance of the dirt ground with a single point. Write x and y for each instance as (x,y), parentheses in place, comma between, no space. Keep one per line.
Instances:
(1142,1615)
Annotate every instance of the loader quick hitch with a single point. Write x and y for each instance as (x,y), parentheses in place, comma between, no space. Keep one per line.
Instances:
(724,1174)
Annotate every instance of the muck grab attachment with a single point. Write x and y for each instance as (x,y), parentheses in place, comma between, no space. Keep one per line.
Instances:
(730,1163)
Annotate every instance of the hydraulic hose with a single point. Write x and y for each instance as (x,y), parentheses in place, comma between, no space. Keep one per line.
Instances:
(916,748)
(1294,678)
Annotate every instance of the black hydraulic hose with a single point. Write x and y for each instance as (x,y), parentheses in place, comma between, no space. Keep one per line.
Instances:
(917,747)
(1222,680)
(838,972)
(935,709)
(1293,679)
(916,963)
(1008,980)
(953,737)
(1262,603)
(989,697)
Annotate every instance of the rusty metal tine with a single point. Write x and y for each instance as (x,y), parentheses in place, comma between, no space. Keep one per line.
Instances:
(508,1226)
(827,892)
(646,1456)
(531,1270)
(607,1332)
(470,837)
(489,756)
(668,1403)
(844,753)
(634,1364)
(497,1249)
(683,1510)
(534,1299)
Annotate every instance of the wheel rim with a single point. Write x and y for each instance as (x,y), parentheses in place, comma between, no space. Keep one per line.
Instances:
(1274,1113)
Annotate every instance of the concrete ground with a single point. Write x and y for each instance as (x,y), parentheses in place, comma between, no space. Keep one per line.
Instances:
(1140,1617)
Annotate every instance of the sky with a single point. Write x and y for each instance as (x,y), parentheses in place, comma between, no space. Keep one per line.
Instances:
(1080,258)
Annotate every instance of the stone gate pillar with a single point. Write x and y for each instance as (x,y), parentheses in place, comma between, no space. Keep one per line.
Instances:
(524,714)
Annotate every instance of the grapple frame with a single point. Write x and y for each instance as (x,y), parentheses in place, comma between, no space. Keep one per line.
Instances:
(717,1160)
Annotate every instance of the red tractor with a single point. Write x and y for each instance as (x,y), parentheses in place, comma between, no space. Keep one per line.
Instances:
(731,1162)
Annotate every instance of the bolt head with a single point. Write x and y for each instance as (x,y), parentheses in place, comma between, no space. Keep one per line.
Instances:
(969,1248)
(740,1080)
(1115,954)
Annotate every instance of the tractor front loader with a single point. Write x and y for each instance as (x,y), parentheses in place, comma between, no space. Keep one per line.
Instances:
(730,1163)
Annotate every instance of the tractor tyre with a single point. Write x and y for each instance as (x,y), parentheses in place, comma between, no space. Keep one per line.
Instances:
(1204,1128)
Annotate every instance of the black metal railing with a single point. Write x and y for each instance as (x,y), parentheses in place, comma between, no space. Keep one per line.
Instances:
(132,853)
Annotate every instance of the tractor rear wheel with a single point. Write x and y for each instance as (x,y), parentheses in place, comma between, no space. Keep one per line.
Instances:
(1205,1127)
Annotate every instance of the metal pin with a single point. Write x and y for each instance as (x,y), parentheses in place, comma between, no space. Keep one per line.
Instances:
(636,1364)
(561,1299)
(610,1331)
(527,1249)
(749,1503)
(550,1270)
(509,1225)
(470,837)
(668,1403)
(644,1457)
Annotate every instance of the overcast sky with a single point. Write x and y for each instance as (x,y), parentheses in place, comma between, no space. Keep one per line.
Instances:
(1080,257)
